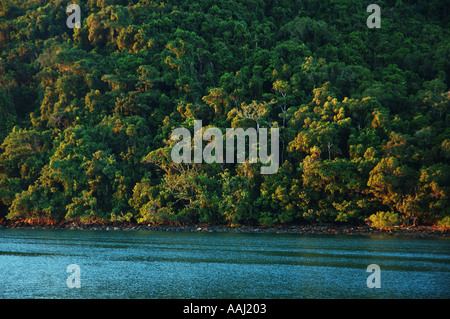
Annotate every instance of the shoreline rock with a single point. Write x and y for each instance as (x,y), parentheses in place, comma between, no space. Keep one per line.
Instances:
(309,229)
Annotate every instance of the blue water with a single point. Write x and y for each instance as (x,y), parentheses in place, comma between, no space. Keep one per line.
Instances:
(123,264)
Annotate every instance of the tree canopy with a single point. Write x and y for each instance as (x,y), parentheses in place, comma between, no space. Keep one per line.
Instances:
(86,114)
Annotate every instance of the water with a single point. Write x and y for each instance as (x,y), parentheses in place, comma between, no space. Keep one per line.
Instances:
(119,264)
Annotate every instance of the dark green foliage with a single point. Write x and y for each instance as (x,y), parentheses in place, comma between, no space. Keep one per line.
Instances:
(86,114)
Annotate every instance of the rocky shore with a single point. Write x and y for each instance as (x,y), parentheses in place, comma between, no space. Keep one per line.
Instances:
(312,229)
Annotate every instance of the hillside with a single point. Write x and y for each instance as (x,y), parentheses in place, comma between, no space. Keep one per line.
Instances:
(86,114)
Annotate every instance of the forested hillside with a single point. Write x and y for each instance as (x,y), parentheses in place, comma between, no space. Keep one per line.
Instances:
(86,114)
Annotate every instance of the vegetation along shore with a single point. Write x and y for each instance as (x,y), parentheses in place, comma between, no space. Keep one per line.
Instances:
(361,114)
(306,229)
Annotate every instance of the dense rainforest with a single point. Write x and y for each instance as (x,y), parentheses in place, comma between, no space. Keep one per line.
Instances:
(86,114)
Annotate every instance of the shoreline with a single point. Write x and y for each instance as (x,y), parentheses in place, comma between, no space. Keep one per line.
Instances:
(306,229)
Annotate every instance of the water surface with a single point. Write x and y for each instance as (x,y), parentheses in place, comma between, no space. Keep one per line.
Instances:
(121,264)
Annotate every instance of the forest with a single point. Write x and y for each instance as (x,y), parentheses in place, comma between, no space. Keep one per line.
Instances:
(86,114)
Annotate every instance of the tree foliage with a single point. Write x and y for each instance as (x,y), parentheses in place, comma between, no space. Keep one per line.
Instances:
(86,114)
